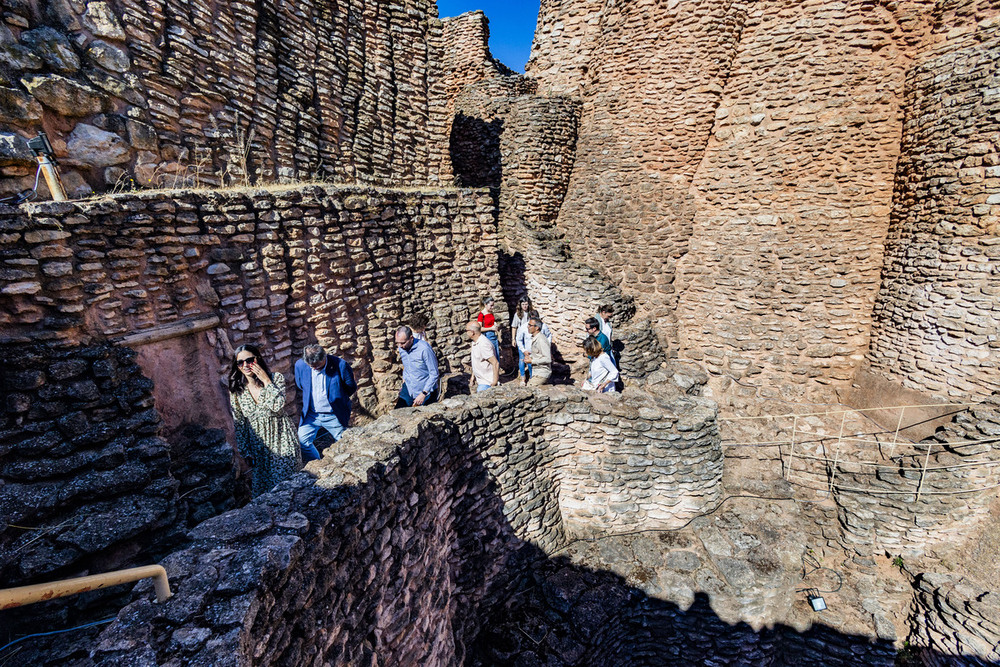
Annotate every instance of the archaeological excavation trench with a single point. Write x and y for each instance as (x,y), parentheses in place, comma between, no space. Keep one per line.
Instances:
(793,209)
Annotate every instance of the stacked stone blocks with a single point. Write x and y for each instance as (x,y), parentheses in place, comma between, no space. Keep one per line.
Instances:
(395,544)
(344,266)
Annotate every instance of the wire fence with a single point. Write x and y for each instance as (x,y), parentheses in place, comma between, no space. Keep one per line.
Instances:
(912,469)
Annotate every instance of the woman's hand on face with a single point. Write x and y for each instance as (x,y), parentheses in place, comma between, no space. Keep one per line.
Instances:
(260,373)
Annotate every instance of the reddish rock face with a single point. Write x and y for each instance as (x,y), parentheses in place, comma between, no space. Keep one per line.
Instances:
(734,174)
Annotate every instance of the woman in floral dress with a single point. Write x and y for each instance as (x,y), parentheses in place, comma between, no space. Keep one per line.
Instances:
(264,435)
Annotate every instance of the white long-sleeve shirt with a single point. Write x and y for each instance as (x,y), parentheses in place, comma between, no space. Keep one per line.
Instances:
(602,370)
(605,327)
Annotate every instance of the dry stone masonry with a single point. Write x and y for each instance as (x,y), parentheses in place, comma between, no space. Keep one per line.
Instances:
(409,530)
(786,201)
(164,94)
(937,317)
(344,266)
(87,483)
(961,457)
(750,149)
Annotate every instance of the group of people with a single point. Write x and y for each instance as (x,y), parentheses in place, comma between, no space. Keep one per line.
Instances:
(274,449)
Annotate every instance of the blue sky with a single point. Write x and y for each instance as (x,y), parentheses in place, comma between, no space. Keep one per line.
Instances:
(512,26)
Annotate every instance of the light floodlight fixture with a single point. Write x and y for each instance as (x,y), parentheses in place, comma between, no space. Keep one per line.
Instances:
(816,600)
(47,165)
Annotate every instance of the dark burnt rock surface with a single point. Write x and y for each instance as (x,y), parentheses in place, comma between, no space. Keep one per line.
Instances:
(87,484)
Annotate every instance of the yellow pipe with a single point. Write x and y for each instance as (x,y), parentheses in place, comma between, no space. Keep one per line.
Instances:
(16,597)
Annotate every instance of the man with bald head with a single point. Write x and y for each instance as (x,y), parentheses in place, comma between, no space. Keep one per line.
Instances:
(485,366)
(420,370)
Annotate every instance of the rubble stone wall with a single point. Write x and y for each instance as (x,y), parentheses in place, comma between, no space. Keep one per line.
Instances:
(956,490)
(750,151)
(566,36)
(280,269)
(631,465)
(793,194)
(398,542)
(525,145)
(465,61)
(938,311)
(220,92)
(86,482)
(649,90)
(537,150)
(953,618)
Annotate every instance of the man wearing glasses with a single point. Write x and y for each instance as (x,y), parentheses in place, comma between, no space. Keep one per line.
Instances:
(539,355)
(326,383)
(420,370)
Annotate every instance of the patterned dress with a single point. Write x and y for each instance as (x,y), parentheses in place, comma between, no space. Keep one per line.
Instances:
(265,436)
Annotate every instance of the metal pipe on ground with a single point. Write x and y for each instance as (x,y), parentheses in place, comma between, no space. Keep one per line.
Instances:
(23,595)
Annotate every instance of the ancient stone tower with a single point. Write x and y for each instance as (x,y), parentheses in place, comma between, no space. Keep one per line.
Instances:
(793,206)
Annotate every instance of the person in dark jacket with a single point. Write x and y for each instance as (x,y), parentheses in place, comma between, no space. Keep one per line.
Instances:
(326,383)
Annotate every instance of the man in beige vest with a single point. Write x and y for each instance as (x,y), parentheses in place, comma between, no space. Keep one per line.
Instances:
(540,354)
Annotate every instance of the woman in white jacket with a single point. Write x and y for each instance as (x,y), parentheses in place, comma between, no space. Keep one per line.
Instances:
(603,374)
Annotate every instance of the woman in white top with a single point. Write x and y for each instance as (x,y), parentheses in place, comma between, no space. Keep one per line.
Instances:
(604,314)
(603,374)
(519,324)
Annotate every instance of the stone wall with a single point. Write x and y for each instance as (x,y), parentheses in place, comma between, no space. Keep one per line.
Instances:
(524,144)
(793,194)
(937,313)
(649,91)
(565,40)
(956,623)
(537,149)
(879,508)
(749,150)
(86,482)
(634,465)
(402,538)
(505,137)
(341,265)
(465,61)
(173,94)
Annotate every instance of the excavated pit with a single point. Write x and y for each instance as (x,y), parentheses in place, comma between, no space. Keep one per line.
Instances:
(454,535)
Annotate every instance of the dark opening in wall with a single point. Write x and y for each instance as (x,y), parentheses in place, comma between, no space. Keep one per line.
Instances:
(475,151)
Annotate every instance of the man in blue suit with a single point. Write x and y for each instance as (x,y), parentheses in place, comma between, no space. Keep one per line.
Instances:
(326,383)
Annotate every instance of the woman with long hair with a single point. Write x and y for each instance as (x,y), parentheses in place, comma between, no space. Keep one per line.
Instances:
(519,331)
(264,435)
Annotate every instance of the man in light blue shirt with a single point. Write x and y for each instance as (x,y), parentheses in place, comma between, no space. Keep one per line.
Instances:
(420,370)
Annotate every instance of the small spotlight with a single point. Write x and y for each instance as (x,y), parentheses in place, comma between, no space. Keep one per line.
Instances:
(816,600)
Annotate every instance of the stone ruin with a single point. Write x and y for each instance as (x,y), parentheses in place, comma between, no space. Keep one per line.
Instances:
(794,207)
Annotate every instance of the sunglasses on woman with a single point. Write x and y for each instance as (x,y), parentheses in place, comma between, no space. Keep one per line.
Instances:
(245,362)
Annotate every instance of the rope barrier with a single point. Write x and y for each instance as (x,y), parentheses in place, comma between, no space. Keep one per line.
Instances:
(904,493)
(849,410)
(921,445)
(876,464)
(796,444)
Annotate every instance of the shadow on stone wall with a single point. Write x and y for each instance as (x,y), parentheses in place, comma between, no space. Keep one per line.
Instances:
(424,540)
(427,543)
(564,614)
(475,151)
(87,483)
